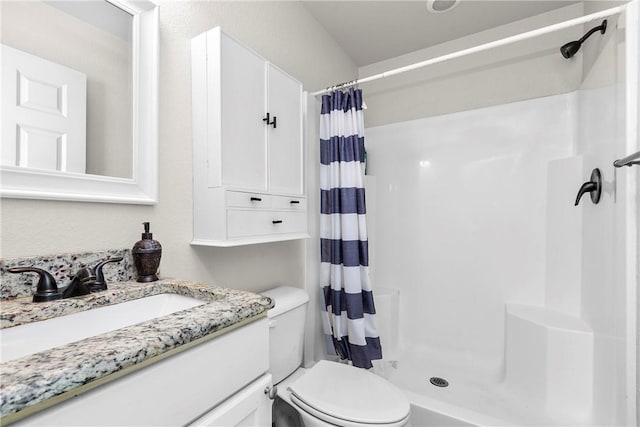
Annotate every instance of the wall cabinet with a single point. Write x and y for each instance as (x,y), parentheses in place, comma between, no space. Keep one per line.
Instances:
(247,139)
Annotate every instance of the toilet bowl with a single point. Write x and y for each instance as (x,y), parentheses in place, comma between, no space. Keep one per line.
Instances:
(329,393)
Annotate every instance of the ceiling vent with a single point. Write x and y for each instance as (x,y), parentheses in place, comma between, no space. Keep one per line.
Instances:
(439,6)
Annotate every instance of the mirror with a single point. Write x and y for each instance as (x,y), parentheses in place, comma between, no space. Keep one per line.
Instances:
(81,122)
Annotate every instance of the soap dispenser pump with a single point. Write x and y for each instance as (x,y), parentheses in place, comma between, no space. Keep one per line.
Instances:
(146,256)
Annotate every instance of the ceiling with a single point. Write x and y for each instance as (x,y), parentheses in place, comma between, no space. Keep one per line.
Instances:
(371,31)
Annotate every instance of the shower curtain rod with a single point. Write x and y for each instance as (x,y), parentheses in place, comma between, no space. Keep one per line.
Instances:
(480,48)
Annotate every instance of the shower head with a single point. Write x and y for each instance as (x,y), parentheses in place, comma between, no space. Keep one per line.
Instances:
(571,48)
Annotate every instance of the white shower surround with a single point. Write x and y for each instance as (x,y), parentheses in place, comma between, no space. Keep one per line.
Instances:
(500,227)
(460,219)
(473,217)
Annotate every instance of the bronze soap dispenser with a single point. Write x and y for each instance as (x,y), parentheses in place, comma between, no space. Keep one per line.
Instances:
(146,256)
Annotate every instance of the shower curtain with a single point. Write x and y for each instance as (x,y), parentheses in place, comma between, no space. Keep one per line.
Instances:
(348,310)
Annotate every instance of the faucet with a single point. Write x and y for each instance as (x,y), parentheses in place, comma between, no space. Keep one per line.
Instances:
(47,289)
(85,281)
(88,279)
(80,284)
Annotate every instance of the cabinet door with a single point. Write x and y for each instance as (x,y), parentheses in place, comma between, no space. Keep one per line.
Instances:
(243,135)
(251,406)
(285,140)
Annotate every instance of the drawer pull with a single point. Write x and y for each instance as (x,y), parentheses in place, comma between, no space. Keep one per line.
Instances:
(277,221)
(295,202)
(256,199)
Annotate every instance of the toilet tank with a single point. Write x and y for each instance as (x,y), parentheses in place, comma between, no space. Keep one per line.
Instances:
(286,330)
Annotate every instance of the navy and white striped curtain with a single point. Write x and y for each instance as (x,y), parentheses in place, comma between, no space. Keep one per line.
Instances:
(348,309)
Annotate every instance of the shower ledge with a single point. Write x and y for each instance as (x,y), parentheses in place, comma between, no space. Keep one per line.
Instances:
(549,361)
(545,317)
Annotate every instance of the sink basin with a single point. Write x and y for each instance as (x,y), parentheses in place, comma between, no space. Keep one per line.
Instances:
(31,338)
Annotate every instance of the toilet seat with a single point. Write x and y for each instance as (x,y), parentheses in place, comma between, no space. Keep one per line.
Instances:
(343,395)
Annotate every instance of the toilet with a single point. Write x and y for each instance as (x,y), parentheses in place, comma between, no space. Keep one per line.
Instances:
(329,393)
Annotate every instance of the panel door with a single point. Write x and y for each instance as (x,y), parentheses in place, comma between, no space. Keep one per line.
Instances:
(43,113)
(249,407)
(244,155)
(285,140)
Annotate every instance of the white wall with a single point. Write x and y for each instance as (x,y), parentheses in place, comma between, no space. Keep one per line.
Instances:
(475,183)
(524,70)
(463,209)
(285,33)
(460,221)
(601,140)
(454,87)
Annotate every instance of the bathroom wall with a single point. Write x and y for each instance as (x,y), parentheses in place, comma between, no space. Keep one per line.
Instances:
(489,78)
(455,179)
(460,222)
(601,139)
(633,347)
(524,70)
(285,33)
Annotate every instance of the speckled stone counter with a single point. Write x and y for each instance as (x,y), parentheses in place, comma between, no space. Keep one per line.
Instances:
(62,267)
(36,378)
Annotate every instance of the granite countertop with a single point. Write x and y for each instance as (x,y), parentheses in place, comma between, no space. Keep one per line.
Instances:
(32,379)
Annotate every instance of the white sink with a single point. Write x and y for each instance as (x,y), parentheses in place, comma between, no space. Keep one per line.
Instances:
(31,338)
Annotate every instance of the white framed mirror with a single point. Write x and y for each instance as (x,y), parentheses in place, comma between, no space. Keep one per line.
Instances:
(49,172)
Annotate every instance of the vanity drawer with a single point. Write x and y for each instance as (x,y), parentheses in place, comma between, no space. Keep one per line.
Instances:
(241,199)
(243,223)
(290,203)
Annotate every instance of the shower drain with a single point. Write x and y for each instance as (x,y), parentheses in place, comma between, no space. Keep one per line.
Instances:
(438,382)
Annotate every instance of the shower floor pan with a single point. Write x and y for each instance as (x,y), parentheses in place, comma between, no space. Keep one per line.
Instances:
(468,400)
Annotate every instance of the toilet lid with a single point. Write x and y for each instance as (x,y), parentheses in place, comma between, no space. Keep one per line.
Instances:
(352,394)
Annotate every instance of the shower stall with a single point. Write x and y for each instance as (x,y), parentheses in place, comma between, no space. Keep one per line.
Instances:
(499,301)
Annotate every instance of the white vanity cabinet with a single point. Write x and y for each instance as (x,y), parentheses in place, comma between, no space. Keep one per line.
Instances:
(223,378)
(250,407)
(247,138)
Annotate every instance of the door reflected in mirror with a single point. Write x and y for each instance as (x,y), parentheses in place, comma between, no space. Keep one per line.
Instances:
(67,84)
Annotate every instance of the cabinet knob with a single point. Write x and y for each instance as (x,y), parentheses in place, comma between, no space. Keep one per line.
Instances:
(256,199)
(295,202)
(277,221)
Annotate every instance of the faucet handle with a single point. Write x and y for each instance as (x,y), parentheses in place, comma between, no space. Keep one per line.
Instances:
(593,187)
(100,284)
(47,288)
